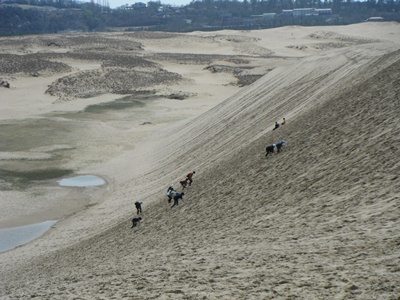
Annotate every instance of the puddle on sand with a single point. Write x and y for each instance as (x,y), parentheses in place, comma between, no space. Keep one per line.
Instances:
(84,180)
(17,236)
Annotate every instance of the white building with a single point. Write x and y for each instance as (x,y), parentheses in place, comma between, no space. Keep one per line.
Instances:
(300,12)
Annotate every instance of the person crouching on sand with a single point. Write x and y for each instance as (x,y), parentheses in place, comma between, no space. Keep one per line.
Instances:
(176,198)
(136,222)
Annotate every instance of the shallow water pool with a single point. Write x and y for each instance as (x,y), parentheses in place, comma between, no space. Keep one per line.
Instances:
(82,181)
(17,236)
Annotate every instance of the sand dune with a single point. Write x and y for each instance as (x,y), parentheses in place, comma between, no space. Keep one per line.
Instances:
(320,220)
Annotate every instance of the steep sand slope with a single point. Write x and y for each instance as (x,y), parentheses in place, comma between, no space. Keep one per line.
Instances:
(318,221)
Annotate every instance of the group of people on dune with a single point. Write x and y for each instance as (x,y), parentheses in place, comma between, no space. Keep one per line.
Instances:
(277,125)
(171,194)
(278,146)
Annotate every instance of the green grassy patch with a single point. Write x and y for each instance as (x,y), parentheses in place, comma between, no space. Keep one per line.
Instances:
(129,101)
(119,104)
(20,179)
(23,135)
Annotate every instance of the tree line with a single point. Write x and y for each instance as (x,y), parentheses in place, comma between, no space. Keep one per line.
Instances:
(19,17)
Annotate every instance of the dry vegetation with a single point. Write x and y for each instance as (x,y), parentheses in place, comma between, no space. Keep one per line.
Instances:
(14,64)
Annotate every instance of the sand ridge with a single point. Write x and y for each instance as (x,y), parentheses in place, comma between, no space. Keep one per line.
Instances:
(317,221)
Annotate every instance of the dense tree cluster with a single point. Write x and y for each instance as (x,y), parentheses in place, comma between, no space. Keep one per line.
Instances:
(51,16)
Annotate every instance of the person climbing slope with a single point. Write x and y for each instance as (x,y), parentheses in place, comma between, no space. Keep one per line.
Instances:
(170,193)
(176,198)
(138,206)
(136,222)
(189,177)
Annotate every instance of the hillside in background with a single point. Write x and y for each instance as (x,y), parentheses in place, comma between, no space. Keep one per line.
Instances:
(318,221)
(21,17)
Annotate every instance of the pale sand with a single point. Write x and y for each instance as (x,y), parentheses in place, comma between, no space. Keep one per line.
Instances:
(318,221)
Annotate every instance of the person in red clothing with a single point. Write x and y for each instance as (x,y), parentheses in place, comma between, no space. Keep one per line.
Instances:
(183,183)
(189,177)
